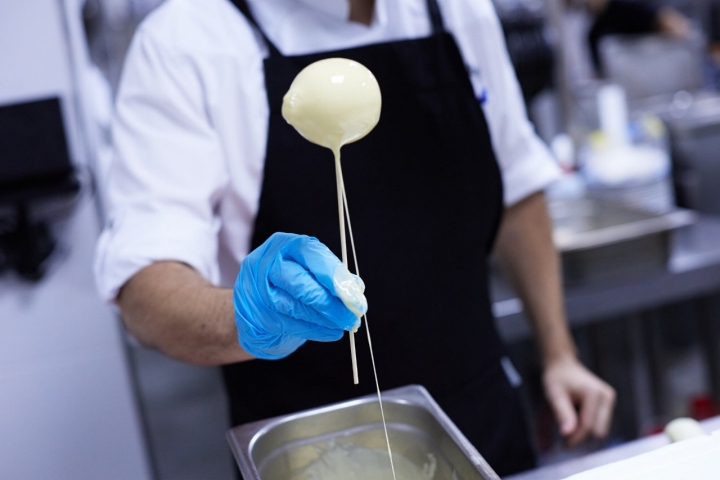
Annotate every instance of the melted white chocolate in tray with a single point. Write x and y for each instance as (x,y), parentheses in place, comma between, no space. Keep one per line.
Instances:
(356,463)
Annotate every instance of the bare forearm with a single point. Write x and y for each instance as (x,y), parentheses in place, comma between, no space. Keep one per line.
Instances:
(582,402)
(526,251)
(169,306)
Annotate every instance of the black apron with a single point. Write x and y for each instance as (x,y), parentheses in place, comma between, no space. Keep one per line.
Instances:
(425,197)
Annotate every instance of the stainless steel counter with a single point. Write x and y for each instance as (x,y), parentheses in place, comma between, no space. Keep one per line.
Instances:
(693,270)
(622,452)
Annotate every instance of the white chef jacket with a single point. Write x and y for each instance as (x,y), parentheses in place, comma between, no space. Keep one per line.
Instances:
(192,121)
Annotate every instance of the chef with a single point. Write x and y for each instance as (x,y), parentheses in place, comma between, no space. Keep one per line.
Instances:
(209,180)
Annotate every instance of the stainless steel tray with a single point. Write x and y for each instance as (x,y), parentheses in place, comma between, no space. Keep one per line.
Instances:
(605,242)
(586,224)
(281,448)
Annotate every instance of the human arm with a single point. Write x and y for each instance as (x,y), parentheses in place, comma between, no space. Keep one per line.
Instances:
(525,243)
(171,307)
(289,290)
(526,252)
(157,257)
(166,192)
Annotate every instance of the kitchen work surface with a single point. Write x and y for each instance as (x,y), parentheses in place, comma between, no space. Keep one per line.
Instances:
(596,238)
(623,452)
(692,269)
(346,441)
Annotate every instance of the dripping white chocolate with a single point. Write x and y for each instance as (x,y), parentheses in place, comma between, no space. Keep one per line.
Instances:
(331,103)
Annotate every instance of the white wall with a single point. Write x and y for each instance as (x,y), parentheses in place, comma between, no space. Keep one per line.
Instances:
(66,404)
(33,59)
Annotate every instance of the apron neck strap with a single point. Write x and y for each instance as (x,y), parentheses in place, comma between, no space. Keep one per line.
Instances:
(245,10)
(436,21)
(435,17)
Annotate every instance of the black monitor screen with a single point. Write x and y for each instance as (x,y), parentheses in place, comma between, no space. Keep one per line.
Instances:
(33,146)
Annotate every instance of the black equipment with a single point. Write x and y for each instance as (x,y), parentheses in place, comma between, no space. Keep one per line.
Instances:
(34,165)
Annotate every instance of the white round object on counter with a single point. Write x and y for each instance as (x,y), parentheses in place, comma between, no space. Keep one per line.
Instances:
(683,428)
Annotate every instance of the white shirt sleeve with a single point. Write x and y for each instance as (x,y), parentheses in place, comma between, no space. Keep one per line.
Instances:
(167,173)
(526,163)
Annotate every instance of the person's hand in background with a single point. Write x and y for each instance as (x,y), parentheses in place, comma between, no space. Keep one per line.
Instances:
(632,17)
(673,23)
(582,403)
(292,289)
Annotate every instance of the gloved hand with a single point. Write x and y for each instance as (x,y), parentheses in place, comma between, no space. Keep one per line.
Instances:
(292,289)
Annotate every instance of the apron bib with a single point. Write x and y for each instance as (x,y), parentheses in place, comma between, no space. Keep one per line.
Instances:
(425,196)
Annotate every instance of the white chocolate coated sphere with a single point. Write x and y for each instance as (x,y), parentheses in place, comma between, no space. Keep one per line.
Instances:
(333,102)
(683,429)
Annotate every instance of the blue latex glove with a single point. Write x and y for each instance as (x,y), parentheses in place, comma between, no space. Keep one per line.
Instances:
(288,291)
